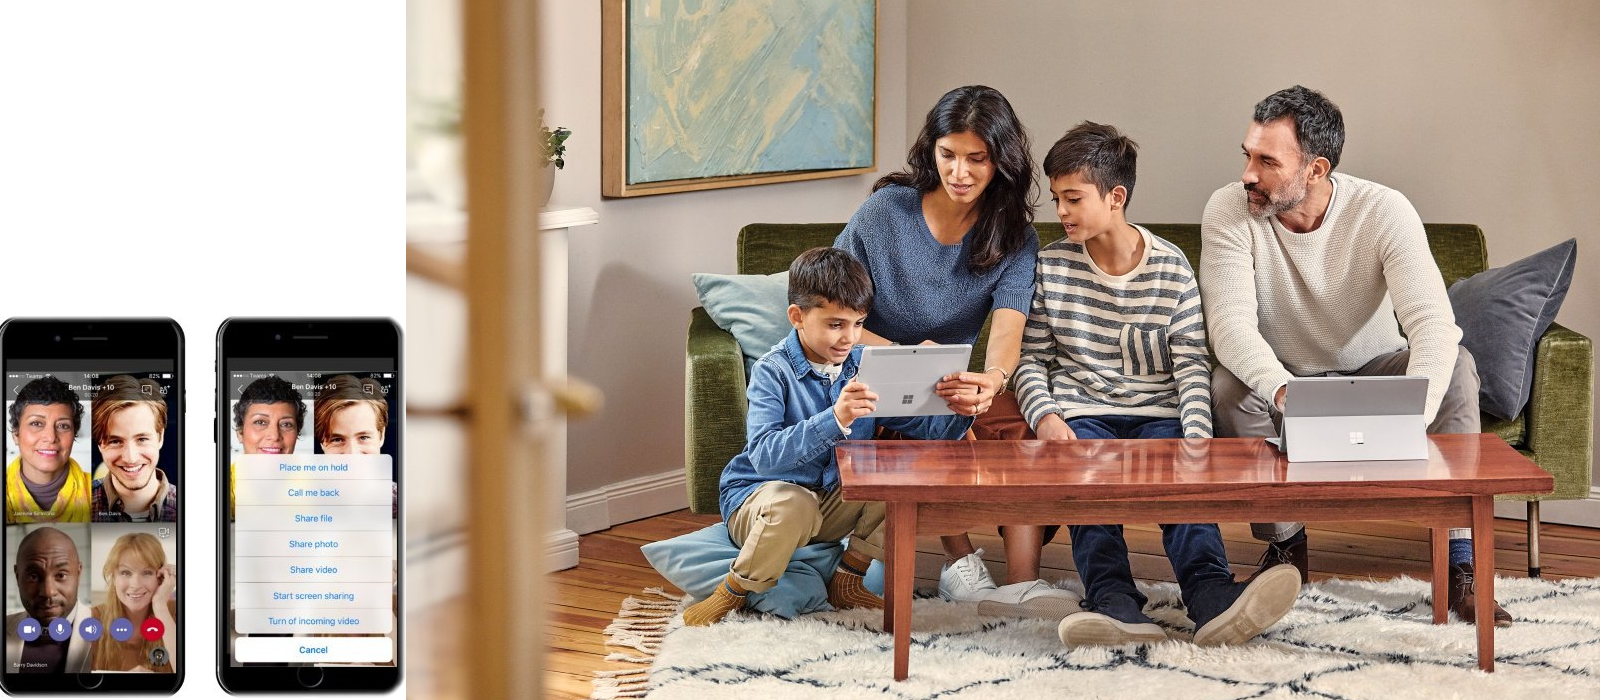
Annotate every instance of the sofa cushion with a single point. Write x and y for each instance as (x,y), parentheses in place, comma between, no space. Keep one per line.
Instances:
(1502,312)
(751,307)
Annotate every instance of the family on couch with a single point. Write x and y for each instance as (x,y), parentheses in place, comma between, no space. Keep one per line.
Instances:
(1102,334)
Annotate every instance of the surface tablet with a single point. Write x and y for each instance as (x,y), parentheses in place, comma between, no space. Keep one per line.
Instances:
(903,377)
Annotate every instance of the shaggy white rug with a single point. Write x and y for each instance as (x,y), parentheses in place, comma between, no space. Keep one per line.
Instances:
(1345,639)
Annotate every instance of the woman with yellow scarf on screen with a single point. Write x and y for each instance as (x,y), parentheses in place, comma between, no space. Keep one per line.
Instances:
(44,483)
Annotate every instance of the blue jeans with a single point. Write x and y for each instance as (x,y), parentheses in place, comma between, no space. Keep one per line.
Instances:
(1101,554)
(1125,428)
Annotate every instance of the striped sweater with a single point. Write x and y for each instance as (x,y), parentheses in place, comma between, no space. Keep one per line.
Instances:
(1128,345)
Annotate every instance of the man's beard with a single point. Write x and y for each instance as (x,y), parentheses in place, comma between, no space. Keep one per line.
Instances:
(1287,196)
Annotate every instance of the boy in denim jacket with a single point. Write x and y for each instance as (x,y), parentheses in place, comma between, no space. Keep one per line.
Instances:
(782,492)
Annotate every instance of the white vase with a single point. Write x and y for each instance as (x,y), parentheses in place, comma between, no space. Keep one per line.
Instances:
(544,185)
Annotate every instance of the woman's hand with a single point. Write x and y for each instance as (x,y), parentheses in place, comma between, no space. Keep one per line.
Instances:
(969,393)
(166,586)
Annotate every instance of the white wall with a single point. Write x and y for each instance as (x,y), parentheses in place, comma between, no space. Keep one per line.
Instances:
(630,289)
(1479,111)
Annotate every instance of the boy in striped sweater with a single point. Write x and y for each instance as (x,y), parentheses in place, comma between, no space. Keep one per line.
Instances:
(1115,348)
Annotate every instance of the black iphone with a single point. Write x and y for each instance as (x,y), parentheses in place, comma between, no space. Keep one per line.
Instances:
(309,427)
(93,533)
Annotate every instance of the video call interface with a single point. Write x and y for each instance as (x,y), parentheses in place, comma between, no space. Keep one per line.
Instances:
(91,517)
(313,507)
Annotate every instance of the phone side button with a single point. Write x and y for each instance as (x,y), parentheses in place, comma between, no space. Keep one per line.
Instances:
(309,676)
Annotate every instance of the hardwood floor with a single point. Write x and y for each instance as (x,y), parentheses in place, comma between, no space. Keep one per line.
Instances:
(583,600)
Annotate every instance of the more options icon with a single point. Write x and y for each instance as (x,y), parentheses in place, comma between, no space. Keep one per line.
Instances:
(121,629)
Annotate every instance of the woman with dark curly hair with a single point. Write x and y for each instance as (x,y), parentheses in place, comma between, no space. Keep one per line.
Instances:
(44,484)
(949,242)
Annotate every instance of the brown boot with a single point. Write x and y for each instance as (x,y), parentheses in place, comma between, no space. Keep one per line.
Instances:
(1464,603)
(1280,553)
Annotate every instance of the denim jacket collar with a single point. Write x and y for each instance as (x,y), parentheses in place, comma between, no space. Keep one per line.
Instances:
(797,358)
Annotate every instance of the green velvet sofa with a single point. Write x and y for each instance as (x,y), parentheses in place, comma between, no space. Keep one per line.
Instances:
(1555,429)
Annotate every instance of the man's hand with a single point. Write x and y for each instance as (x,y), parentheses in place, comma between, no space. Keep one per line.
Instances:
(1051,427)
(854,402)
(1277,399)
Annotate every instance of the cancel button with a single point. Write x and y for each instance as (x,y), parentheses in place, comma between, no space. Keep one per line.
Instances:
(313,650)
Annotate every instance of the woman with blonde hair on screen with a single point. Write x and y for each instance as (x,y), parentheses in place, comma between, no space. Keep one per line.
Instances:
(139,586)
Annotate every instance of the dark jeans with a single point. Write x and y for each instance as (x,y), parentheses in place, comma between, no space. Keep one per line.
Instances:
(1101,554)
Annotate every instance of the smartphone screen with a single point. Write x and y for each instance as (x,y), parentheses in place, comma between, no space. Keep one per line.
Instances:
(312,447)
(93,538)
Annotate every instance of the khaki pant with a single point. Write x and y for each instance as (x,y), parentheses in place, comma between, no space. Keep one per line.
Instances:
(780,517)
(1240,412)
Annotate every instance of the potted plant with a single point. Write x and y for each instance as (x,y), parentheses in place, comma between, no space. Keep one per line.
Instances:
(554,142)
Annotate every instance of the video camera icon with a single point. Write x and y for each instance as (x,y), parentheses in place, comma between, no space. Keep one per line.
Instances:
(29,629)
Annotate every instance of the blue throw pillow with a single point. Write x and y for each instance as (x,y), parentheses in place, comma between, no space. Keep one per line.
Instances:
(1502,313)
(698,561)
(754,308)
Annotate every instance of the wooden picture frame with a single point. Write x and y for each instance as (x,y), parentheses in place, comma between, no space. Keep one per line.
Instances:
(763,150)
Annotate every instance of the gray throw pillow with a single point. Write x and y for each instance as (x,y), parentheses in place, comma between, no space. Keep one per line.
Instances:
(1502,313)
(754,308)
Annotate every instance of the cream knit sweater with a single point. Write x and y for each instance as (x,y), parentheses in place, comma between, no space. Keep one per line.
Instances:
(1281,304)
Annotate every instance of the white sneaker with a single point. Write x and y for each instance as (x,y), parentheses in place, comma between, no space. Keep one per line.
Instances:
(967,580)
(1030,599)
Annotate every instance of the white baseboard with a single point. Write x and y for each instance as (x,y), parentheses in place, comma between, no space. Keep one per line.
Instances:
(1580,512)
(560,550)
(624,501)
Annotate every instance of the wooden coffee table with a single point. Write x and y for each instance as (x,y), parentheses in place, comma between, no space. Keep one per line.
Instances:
(949,487)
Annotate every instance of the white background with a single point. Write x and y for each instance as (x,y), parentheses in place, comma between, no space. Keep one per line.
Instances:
(199,161)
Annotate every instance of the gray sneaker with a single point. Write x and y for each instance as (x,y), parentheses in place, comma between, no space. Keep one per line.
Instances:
(1097,629)
(1266,599)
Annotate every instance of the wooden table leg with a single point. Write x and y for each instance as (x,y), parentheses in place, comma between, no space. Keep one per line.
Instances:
(888,569)
(1439,538)
(902,519)
(1483,577)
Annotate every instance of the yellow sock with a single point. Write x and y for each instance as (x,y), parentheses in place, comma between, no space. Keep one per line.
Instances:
(847,590)
(722,601)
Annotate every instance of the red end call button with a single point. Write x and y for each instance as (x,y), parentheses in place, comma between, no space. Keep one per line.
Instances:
(152,629)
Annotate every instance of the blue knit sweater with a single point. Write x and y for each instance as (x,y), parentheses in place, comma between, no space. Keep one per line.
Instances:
(924,290)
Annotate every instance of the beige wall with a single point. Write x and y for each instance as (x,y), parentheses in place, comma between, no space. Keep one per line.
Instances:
(1479,112)
(630,288)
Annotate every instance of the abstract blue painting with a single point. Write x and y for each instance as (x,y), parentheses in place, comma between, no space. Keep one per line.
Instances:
(719,88)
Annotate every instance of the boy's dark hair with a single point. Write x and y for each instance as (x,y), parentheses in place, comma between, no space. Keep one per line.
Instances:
(45,391)
(269,390)
(821,275)
(1318,124)
(1106,158)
